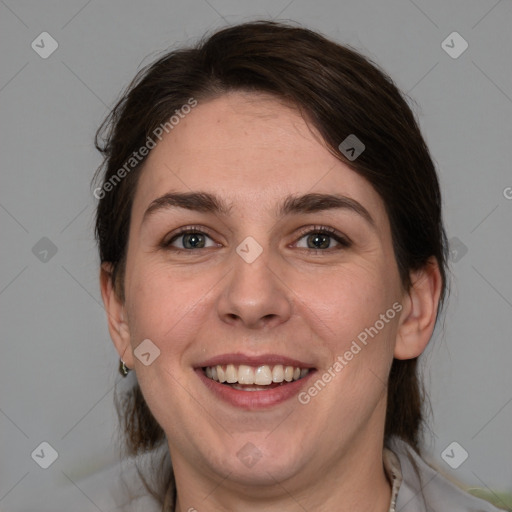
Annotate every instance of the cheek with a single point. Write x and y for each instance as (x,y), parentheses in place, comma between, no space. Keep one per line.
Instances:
(167,307)
(347,301)
(356,312)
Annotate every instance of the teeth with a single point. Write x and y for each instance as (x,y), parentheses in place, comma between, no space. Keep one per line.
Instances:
(231,374)
(263,376)
(245,374)
(254,376)
(278,373)
(248,388)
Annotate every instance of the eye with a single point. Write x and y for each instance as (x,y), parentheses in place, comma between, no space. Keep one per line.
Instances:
(322,238)
(318,238)
(189,239)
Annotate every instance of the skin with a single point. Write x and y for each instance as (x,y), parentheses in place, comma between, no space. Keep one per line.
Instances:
(252,151)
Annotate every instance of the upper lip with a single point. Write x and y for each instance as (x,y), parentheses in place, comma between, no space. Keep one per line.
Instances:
(254,360)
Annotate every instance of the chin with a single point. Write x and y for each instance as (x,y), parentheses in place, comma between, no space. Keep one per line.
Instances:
(254,459)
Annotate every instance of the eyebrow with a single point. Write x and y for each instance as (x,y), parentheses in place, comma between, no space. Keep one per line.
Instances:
(210,203)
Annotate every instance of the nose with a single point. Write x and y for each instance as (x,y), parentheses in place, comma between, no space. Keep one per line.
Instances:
(255,295)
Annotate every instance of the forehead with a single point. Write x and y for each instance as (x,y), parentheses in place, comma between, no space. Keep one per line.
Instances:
(251,149)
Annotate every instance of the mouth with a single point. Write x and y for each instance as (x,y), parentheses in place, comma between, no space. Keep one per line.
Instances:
(254,378)
(254,382)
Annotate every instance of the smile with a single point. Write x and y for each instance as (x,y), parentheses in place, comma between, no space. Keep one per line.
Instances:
(251,382)
(254,378)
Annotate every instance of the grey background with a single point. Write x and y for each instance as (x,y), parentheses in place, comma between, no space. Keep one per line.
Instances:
(58,365)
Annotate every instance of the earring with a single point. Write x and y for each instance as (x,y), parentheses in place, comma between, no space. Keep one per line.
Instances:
(123,369)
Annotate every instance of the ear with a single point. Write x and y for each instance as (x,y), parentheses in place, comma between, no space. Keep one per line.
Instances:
(421,304)
(116,314)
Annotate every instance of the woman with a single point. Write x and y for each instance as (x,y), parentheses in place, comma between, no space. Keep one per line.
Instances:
(272,265)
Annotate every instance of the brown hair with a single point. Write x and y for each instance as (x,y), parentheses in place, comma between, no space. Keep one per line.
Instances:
(338,91)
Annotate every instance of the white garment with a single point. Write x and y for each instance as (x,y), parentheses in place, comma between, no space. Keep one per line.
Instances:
(422,488)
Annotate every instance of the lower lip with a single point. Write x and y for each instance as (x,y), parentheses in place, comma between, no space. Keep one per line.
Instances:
(254,399)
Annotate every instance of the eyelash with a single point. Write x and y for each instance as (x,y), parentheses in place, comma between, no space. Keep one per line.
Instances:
(324,230)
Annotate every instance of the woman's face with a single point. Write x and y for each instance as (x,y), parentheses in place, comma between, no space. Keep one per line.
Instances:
(270,274)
